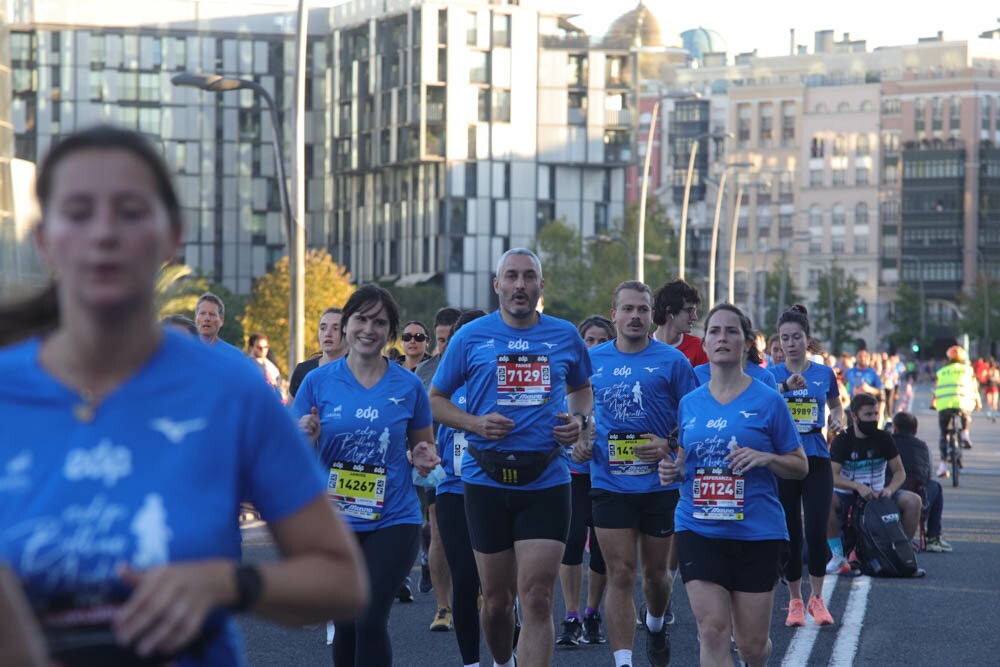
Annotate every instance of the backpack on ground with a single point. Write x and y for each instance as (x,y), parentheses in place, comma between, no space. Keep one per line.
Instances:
(882,548)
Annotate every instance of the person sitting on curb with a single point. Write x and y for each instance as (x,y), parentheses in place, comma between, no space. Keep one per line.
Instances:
(916,459)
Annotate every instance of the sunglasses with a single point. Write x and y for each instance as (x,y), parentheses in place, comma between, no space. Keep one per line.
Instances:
(419,337)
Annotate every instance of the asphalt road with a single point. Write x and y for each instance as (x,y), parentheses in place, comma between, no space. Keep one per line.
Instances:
(950,617)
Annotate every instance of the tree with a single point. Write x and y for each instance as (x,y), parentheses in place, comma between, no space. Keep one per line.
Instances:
(418,302)
(779,295)
(581,276)
(979,313)
(327,284)
(907,318)
(177,290)
(848,314)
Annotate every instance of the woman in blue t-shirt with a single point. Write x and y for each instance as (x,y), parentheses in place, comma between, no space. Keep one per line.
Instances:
(371,422)
(736,436)
(810,390)
(127,449)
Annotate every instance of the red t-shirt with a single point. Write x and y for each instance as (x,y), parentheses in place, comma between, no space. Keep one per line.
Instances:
(690,347)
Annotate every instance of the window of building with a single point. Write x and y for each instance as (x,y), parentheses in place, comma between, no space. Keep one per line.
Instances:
(479,67)
(816,178)
(838,215)
(577,109)
(861,244)
(954,113)
(149,87)
(816,220)
(600,217)
(149,120)
(839,145)
(891,106)
(471,180)
(867,106)
(839,177)
(501,106)
(861,214)
(483,105)
(863,147)
(501,30)
(812,281)
(766,130)
(918,115)
(786,186)
(837,245)
(788,113)
(576,70)
(891,174)
(861,176)
(816,148)
(843,107)
(616,72)
(471,28)
(744,113)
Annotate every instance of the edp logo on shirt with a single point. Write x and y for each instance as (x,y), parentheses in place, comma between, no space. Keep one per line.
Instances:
(369,413)
(517,344)
(719,423)
(106,462)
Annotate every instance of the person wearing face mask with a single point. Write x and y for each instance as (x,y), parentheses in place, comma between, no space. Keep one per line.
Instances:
(859,458)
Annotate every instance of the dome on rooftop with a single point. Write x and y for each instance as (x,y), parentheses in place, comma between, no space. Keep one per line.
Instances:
(637,27)
(700,41)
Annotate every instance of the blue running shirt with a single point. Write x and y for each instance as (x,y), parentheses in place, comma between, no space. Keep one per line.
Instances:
(808,406)
(363,441)
(153,475)
(714,502)
(704,374)
(634,393)
(522,374)
(451,447)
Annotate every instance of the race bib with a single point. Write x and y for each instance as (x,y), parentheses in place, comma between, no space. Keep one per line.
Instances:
(621,454)
(805,413)
(458,447)
(358,488)
(523,379)
(717,494)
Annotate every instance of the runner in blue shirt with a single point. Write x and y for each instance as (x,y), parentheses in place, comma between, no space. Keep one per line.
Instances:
(126,449)
(736,436)
(453,528)
(752,368)
(809,389)
(520,369)
(586,628)
(638,383)
(371,420)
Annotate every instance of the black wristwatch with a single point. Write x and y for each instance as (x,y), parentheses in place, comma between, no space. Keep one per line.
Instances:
(585,418)
(249,586)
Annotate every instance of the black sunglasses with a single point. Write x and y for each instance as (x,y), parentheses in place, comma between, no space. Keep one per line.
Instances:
(419,337)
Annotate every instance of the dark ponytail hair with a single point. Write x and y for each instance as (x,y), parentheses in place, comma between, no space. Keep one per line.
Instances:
(39,314)
(797,314)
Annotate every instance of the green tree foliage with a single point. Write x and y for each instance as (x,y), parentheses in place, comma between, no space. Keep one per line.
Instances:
(581,275)
(780,294)
(327,284)
(232,328)
(906,317)
(836,324)
(177,290)
(418,302)
(979,306)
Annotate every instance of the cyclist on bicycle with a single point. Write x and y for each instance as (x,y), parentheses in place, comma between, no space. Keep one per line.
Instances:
(955,392)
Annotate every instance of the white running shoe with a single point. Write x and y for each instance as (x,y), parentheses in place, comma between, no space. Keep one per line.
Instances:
(838,565)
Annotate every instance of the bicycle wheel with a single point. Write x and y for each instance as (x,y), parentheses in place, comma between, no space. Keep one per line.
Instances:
(954,456)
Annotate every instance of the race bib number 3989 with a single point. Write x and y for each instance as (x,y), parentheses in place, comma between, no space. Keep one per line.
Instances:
(523,379)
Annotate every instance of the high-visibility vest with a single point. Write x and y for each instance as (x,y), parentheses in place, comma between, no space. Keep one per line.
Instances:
(956,388)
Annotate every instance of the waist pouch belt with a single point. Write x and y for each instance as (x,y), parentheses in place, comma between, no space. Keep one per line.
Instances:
(514,468)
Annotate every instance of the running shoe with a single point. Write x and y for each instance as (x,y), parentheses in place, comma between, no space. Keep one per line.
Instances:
(838,565)
(405,593)
(572,632)
(796,613)
(425,584)
(668,615)
(817,609)
(657,646)
(592,629)
(937,545)
(442,620)
(942,470)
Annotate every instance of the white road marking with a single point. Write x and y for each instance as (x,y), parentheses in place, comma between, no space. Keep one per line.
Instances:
(801,646)
(850,629)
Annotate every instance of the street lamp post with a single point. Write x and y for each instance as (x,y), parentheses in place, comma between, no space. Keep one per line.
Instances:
(682,256)
(640,247)
(732,245)
(294,229)
(715,229)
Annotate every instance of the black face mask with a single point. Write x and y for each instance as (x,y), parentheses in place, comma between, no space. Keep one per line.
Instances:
(868,428)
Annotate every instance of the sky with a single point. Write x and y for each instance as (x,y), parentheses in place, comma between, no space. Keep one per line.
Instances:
(764,25)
